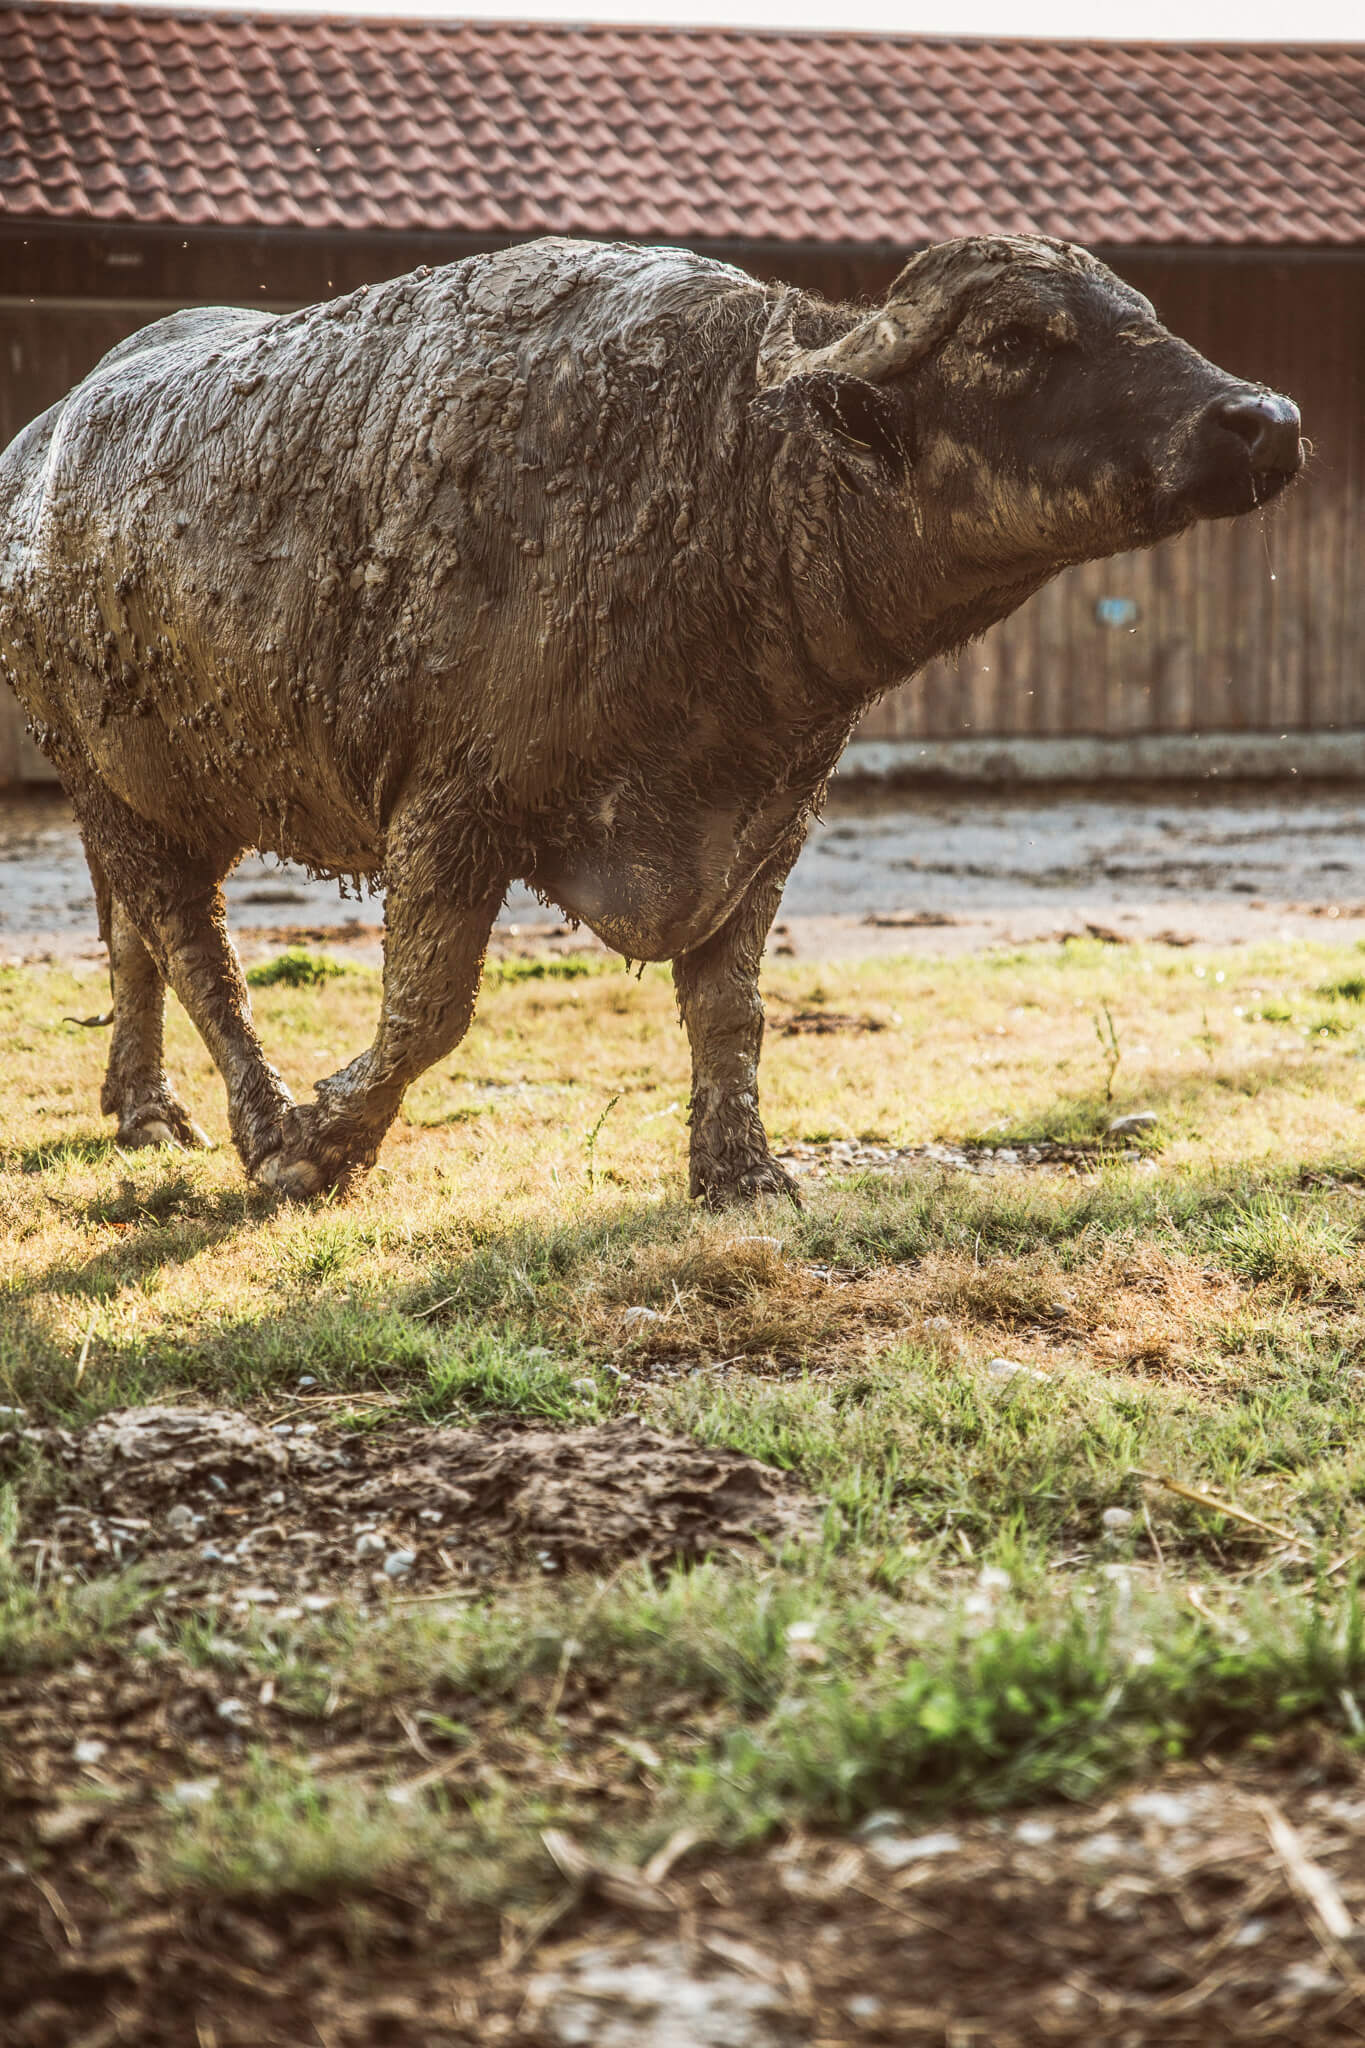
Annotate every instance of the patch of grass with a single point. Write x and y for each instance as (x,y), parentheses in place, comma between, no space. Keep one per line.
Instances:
(279,1833)
(477,1371)
(43,1627)
(511,972)
(1060,1697)
(296,968)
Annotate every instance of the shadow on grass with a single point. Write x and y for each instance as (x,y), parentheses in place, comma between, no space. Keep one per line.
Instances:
(89,1148)
(138,1252)
(396,1366)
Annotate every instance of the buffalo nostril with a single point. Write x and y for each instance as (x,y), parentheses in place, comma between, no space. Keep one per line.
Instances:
(1268,424)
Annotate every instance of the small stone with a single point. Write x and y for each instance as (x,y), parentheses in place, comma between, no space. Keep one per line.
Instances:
(1139,1120)
(1249,1934)
(317,1603)
(283,1429)
(10,1418)
(642,1315)
(1169,1808)
(1102,1848)
(1035,1834)
(67,1823)
(180,1519)
(235,1712)
(1006,1369)
(211,1554)
(895,1851)
(399,1563)
(369,1543)
(887,1820)
(275,1499)
(1308,1980)
(90,1751)
(305,1379)
(255,1596)
(588,1388)
(193,1791)
(1116,1520)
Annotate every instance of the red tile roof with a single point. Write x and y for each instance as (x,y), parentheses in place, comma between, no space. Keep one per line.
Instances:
(491,129)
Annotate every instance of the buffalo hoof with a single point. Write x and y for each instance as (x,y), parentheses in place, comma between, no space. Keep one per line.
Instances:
(162,1123)
(296,1179)
(722,1188)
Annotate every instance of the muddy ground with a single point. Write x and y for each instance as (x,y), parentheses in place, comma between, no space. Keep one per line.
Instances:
(1192,1910)
(929,871)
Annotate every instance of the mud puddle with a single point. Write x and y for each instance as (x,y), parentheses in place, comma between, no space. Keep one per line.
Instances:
(220,1511)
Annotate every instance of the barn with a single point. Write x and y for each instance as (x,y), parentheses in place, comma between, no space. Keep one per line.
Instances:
(151,159)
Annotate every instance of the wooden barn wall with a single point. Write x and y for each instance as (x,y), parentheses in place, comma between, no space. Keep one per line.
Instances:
(1250,625)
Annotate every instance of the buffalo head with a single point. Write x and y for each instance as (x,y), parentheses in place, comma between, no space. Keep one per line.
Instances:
(1029,406)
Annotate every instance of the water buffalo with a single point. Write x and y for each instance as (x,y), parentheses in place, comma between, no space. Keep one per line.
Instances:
(574,563)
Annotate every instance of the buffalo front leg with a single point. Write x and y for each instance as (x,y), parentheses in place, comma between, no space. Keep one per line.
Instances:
(435,937)
(717,987)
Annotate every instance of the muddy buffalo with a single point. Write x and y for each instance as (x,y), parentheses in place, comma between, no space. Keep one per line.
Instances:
(576,564)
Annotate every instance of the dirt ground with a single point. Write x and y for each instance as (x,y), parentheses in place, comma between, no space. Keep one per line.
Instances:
(934,871)
(1187,1912)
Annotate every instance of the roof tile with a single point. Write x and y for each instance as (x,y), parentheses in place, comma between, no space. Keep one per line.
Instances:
(145,114)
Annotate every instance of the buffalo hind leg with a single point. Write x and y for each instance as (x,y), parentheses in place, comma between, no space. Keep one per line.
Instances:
(136,1089)
(436,928)
(717,987)
(172,898)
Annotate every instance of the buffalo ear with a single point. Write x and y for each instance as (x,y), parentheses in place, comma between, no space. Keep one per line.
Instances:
(865,419)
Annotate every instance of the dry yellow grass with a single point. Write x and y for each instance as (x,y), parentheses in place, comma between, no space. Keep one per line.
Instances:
(493,1170)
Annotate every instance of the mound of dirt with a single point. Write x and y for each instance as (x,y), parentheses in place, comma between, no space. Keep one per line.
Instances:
(221,1510)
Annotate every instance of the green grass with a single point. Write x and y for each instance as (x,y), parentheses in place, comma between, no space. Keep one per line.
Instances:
(962,1626)
(296,968)
(43,1627)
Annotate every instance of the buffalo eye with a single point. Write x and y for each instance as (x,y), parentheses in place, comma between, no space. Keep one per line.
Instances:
(1012,344)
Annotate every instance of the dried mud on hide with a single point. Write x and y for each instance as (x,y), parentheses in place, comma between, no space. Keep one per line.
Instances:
(220,1510)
